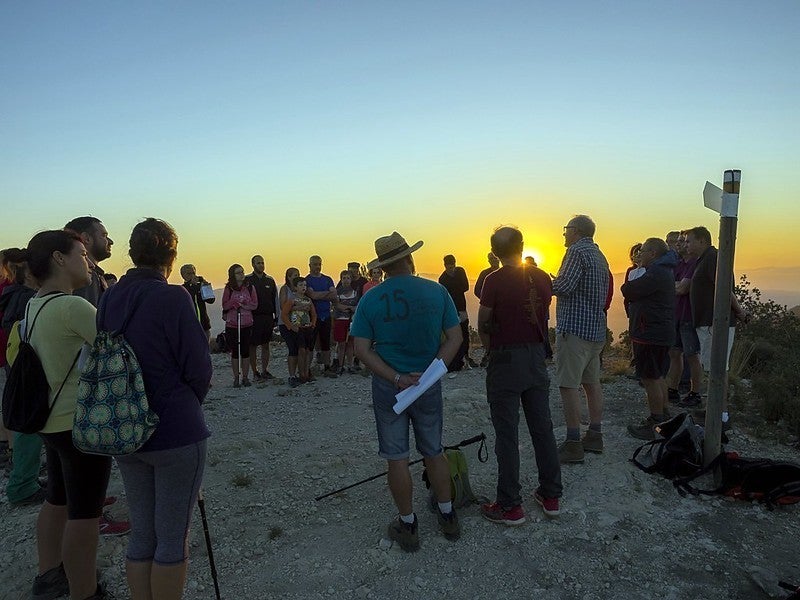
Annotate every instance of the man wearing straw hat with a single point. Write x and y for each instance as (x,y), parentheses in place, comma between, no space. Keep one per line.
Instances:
(405,322)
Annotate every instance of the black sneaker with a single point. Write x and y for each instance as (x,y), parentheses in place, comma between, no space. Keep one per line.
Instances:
(673,395)
(691,400)
(448,524)
(294,382)
(266,376)
(257,376)
(36,497)
(50,585)
(405,534)
(329,372)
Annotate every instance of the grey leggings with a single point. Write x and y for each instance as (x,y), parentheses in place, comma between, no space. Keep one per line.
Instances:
(162,489)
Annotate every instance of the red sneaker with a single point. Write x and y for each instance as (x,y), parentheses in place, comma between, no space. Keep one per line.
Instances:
(109,527)
(109,500)
(505,516)
(549,505)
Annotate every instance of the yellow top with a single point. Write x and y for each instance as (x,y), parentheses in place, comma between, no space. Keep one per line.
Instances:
(58,335)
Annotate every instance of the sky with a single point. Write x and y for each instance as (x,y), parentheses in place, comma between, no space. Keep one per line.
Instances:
(295,128)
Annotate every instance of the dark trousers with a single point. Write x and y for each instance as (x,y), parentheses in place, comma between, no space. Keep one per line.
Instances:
(518,375)
(463,350)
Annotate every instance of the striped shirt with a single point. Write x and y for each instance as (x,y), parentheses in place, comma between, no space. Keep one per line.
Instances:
(581,287)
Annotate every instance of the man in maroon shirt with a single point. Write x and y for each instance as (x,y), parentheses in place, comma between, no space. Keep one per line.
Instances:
(512,322)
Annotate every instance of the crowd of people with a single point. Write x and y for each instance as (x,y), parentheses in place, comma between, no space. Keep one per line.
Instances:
(379,317)
(57,285)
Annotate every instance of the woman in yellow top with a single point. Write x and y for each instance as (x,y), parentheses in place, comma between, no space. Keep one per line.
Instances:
(67,527)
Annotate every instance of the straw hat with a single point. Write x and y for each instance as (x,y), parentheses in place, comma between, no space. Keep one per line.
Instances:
(390,248)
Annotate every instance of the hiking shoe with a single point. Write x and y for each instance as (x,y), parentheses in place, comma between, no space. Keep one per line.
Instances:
(266,376)
(691,400)
(110,527)
(405,534)
(51,584)
(570,451)
(236,383)
(645,430)
(36,497)
(329,372)
(257,376)
(294,382)
(549,505)
(353,370)
(448,524)
(245,382)
(592,441)
(495,513)
(673,395)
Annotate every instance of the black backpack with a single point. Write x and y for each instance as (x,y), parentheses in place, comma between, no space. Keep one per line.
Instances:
(769,481)
(222,342)
(26,403)
(677,453)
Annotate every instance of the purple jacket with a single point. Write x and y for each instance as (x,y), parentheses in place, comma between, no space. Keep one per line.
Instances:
(172,350)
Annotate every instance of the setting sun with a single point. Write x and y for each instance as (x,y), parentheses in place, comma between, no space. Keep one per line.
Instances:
(536,254)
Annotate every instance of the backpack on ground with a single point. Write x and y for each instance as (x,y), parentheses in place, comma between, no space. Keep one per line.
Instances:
(769,481)
(26,397)
(461,492)
(222,342)
(677,453)
(113,416)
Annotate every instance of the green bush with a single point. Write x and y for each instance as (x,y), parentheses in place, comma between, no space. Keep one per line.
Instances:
(774,365)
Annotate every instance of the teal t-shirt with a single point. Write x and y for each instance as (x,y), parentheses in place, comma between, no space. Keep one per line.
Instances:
(405,316)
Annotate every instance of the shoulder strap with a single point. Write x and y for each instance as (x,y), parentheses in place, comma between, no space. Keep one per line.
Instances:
(647,445)
(684,486)
(29,330)
(61,387)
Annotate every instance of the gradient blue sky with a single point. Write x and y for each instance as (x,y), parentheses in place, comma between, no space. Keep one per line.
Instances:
(294,128)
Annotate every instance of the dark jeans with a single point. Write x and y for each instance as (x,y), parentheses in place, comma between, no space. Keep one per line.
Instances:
(463,350)
(518,374)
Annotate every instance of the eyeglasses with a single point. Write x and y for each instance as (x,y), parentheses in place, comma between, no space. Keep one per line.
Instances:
(569,227)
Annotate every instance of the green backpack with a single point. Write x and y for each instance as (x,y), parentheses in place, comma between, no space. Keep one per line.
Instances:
(460,489)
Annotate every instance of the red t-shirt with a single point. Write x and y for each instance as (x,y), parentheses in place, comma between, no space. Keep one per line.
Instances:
(515,295)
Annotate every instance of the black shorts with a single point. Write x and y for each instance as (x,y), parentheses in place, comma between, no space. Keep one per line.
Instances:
(74,479)
(231,337)
(290,337)
(651,361)
(262,330)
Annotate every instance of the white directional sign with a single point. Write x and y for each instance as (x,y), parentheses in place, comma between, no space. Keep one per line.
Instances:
(727,205)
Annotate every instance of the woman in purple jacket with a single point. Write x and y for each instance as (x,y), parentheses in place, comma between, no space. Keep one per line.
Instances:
(163,478)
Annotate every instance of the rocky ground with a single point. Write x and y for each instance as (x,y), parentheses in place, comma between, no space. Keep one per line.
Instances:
(621,533)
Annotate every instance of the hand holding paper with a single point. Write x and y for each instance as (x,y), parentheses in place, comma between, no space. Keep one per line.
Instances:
(432,374)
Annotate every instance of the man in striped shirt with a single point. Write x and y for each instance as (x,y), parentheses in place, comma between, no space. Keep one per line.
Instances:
(581,287)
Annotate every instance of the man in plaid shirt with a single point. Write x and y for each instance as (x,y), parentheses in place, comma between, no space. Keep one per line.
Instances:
(582,287)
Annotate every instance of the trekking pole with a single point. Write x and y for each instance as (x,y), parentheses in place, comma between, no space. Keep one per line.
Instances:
(201,503)
(478,438)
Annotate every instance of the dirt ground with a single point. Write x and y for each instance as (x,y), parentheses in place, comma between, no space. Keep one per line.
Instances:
(621,533)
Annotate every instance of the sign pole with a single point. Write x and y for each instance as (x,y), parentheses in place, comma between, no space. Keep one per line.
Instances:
(727,204)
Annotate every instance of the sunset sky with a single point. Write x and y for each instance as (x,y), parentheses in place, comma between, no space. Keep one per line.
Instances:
(297,128)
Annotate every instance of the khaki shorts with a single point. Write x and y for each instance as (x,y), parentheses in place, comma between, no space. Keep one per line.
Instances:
(577,361)
(704,335)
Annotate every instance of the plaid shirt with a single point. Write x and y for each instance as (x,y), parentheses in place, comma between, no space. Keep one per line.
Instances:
(581,287)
